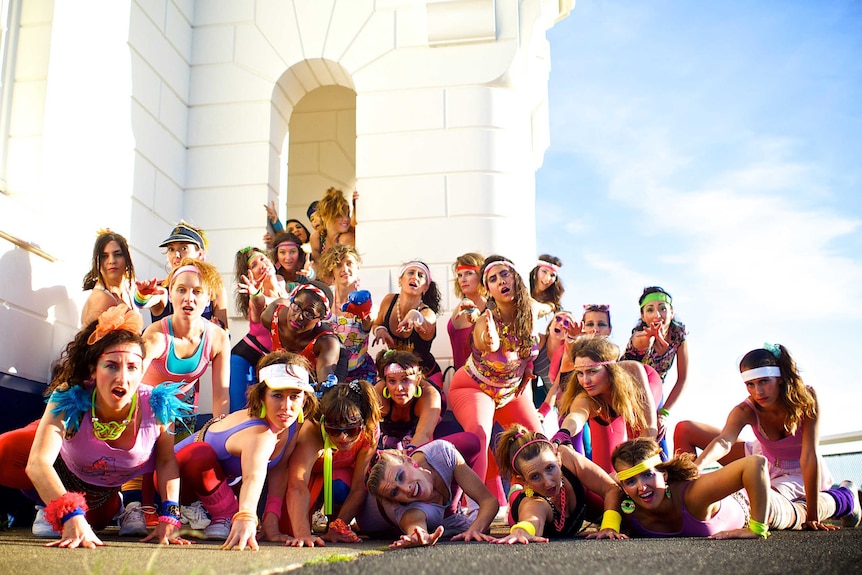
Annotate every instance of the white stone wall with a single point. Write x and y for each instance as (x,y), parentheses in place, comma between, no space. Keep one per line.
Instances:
(165,109)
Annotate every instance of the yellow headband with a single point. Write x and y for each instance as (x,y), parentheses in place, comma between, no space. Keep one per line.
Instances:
(639,468)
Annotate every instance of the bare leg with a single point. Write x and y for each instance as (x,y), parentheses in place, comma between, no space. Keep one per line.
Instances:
(689,436)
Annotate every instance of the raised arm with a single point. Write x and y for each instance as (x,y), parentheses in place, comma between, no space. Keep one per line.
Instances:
(739,417)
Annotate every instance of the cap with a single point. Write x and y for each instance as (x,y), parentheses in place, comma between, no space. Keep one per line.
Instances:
(312,209)
(185,234)
(285,376)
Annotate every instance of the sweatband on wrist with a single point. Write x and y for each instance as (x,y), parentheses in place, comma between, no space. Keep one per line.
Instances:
(526,526)
(758,528)
(611,519)
(170,509)
(273,505)
(664,412)
(141,299)
(562,436)
(74,513)
(65,507)
(544,409)
(170,521)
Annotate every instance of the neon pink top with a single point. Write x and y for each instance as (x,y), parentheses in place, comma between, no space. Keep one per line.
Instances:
(460,340)
(204,353)
(788,449)
(96,462)
(729,516)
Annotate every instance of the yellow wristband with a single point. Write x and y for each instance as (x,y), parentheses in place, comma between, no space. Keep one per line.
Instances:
(611,519)
(758,528)
(526,526)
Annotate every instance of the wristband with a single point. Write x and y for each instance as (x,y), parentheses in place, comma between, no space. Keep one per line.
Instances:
(64,508)
(245,515)
(526,526)
(758,528)
(562,436)
(170,521)
(664,412)
(544,409)
(611,519)
(141,299)
(170,509)
(74,513)
(273,505)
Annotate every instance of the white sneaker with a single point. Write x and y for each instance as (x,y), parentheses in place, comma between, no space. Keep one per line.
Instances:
(132,521)
(852,520)
(41,527)
(218,529)
(319,522)
(194,516)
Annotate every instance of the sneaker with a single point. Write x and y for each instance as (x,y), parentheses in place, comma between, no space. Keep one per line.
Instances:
(852,520)
(194,516)
(218,529)
(41,527)
(132,522)
(150,515)
(319,523)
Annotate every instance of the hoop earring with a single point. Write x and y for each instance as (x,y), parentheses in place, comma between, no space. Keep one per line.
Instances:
(627,506)
(386,393)
(263,411)
(418,392)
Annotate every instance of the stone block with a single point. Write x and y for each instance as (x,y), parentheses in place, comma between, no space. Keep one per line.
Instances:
(146,84)
(228,165)
(157,144)
(226,84)
(208,12)
(213,45)
(178,31)
(174,115)
(312,19)
(34,48)
(401,111)
(227,123)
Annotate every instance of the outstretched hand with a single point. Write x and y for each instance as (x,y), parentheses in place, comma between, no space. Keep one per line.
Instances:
(419,538)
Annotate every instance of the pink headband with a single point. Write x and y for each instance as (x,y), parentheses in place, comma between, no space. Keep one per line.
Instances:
(417,265)
(397,368)
(286,244)
(183,270)
(531,442)
(493,263)
(314,289)
(549,265)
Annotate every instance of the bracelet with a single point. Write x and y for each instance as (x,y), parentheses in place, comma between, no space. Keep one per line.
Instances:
(544,409)
(343,529)
(378,327)
(273,505)
(65,507)
(758,528)
(245,515)
(141,299)
(77,511)
(611,519)
(526,526)
(664,412)
(170,521)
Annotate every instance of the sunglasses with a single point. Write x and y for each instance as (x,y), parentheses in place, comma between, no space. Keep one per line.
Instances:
(348,431)
(604,308)
(563,320)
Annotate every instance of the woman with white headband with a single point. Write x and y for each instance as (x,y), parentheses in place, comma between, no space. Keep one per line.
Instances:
(546,287)
(784,416)
(490,387)
(407,320)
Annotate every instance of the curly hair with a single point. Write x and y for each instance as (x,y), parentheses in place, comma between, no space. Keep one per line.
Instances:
(628,398)
(257,392)
(680,468)
(240,266)
(94,276)
(210,278)
(797,399)
(78,360)
(511,440)
(350,401)
(468,259)
(333,205)
(332,258)
(554,294)
(523,310)
(282,237)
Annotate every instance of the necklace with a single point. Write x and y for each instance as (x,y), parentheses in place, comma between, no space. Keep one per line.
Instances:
(558,514)
(111,430)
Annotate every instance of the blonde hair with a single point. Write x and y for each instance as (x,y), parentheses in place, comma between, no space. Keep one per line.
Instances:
(468,259)
(210,278)
(628,397)
(511,440)
(333,205)
(332,258)
(381,461)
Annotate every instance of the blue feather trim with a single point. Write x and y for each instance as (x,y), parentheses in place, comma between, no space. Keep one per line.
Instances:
(167,406)
(72,404)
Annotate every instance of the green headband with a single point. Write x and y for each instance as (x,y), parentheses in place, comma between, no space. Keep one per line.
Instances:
(656,296)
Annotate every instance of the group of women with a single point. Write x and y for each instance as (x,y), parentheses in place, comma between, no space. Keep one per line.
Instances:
(312,440)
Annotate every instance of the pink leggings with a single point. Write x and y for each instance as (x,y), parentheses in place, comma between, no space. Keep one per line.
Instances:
(477,412)
(200,471)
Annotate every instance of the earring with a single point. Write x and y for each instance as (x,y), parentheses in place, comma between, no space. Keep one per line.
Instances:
(667,492)
(263,411)
(528,491)
(301,417)
(418,392)
(627,506)
(386,393)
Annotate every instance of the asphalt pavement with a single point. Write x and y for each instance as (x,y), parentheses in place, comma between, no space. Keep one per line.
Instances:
(784,553)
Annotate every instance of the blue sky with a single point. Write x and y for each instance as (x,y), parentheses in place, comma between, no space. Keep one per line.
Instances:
(715,149)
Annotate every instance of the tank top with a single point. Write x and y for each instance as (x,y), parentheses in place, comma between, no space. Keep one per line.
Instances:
(413,342)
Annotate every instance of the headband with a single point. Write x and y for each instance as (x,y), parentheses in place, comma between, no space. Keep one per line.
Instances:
(116,318)
(531,442)
(417,265)
(184,269)
(493,263)
(553,267)
(312,288)
(286,244)
(639,468)
(656,296)
(286,376)
(465,268)
(758,372)
(597,364)
(395,367)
